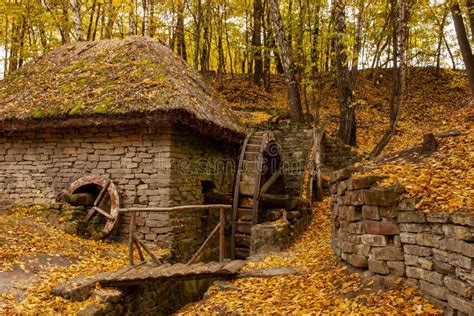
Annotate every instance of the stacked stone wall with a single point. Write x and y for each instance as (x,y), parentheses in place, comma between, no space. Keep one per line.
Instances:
(375,229)
(295,140)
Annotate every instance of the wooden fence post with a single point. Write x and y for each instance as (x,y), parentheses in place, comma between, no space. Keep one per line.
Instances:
(222,235)
(131,233)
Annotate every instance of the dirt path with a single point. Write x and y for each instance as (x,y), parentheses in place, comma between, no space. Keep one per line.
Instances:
(322,285)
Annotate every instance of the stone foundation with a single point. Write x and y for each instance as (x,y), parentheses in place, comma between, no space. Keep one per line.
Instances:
(374,229)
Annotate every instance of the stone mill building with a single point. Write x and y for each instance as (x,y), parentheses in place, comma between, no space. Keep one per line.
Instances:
(130,111)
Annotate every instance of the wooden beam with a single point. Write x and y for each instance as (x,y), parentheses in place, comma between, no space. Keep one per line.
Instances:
(130,240)
(185,208)
(222,236)
(152,256)
(204,244)
(266,186)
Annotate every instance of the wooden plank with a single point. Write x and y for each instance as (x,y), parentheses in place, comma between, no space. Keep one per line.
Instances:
(247,188)
(235,204)
(152,256)
(242,252)
(244,227)
(253,148)
(102,193)
(249,177)
(184,208)
(256,192)
(242,240)
(244,214)
(251,155)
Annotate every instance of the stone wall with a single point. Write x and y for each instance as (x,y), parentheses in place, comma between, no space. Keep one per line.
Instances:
(36,166)
(150,166)
(296,141)
(374,229)
(162,298)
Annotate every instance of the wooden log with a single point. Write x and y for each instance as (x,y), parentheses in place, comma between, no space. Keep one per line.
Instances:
(267,185)
(130,240)
(81,199)
(148,251)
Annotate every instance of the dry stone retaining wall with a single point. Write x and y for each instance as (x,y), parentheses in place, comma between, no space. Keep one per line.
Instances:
(374,229)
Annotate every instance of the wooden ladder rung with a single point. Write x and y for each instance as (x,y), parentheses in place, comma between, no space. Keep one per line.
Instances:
(242,252)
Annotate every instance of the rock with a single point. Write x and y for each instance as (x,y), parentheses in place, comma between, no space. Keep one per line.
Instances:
(462,219)
(91,310)
(427,239)
(460,304)
(442,267)
(459,246)
(374,240)
(362,250)
(437,217)
(425,263)
(407,205)
(417,250)
(388,253)
(107,296)
(379,267)
(408,238)
(380,227)
(380,196)
(396,267)
(458,287)
(414,272)
(411,260)
(411,217)
(358,261)
(340,175)
(458,232)
(413,228)
(437,291)
(388,211)
(370,212)
(364,182)
(430,143)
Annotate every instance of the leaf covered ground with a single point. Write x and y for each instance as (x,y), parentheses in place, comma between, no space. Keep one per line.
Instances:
(35,256)
(322,284)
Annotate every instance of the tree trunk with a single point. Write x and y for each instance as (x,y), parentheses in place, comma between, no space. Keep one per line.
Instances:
(181,43)
(257,41)
(347,121)
(401,27)
(294,98)
(464,44)
(76,18)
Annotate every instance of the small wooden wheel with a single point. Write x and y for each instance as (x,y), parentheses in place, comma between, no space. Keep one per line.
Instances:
(107,201)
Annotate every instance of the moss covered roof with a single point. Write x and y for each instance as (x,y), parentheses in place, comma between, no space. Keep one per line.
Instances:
(136,77)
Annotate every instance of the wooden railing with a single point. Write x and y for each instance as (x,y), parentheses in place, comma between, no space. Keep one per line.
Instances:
(134,241)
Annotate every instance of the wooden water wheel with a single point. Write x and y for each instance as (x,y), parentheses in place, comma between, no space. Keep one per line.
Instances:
(259,168)
(106,200)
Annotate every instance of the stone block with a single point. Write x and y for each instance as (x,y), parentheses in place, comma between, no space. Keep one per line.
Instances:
(358,261)
(458,232)
(374,240)
(388,253)
(370,212)
(396,267)
(380,227)
(356,228)
(443,267)
(437,217)
(388,211)
(413,228)
(340,175)
(363,182)
(408,238)
(379,267)
(460,304)
(341,187)
(411,260)
(437,291)
(414,272)
(425,263)
(417,250)
(427,239)
(462,219)
(459,287)
(411,217)
(407,205)
(467,249)
(380,196)
(362,250)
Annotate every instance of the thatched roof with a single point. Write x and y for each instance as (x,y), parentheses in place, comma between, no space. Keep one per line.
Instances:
(112,81)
